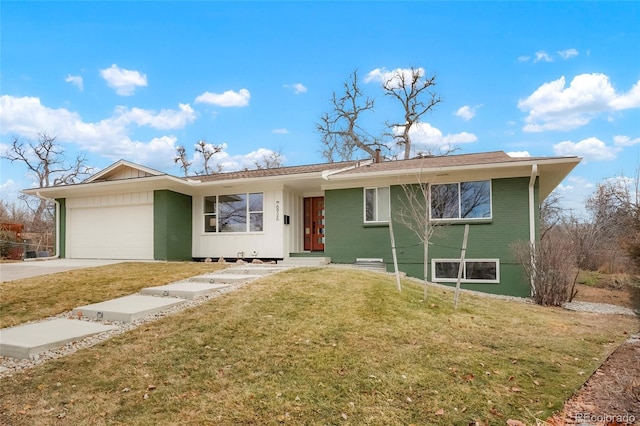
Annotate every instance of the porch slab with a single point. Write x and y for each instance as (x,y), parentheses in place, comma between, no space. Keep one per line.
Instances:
(127,308)
(184,289)
(305,261)
(31,339)
(253,270)
(222,278)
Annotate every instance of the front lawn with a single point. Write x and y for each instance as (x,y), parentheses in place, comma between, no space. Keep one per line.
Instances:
(325,346)
(39,297)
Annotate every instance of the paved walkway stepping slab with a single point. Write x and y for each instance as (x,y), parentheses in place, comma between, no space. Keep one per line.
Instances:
(184,289)
(31,339)
(127,308)
(222,278)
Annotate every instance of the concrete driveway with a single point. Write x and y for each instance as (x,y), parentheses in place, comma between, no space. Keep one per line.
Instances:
(19,270)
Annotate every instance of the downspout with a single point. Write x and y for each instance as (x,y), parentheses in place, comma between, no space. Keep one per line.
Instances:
(57,255)
(532,221)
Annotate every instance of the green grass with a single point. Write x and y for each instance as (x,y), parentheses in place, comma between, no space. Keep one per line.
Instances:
(590,278)
(325,346)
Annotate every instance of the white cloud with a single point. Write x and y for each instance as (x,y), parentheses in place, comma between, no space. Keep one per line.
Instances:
(556,107)
(591,149)
(519,154)
(523,58)
(543,56)
(124,81)
(467,112)
(297,88)
(282,131)
(568,53)
(383,75)
(163,120)
(621,140)
(226,99)
(109,137)
(156,153)
(425,137)
(231,163)
(631,99)
(76,80)
(9,191)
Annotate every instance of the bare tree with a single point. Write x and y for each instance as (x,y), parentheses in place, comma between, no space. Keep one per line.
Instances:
(45,161)
(273,160)
(551,214)
(413,90)
(181,157)
(341,130)
(207,151)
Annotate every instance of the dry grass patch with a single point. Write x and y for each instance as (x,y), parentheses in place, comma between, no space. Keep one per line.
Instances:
(325,346)
(40,297)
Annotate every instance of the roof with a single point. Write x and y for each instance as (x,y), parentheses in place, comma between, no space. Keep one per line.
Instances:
(126,176)
(448,161)
(122,169)
(280,171)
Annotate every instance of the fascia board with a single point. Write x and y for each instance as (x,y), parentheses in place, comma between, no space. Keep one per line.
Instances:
(139,184)
(450,169)
(553,171)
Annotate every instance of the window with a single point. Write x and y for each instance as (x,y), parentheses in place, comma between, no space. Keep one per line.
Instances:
(464,200)
(376,204)
(475,270)
(229,213)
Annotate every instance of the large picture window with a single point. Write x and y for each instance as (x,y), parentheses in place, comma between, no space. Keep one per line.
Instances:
(376,204)
(464,200)
(233,213)
(475,270)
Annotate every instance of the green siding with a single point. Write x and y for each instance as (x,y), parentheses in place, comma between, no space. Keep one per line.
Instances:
(347,238)
(171,226)
(63,226)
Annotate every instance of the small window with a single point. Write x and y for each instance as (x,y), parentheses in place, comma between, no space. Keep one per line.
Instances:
(465,200)
(474,271)
(376,204)
(229,213)
(210,216)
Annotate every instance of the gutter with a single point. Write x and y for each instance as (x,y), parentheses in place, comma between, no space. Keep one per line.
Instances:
(57,255)
(532,218)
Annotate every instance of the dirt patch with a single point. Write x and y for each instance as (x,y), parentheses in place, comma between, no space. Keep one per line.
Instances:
(588,293)
(611,396)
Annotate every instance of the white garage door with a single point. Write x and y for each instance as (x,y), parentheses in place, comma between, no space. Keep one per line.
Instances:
(114,232)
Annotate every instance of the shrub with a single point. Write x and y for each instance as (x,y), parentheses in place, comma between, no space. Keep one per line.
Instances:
(550,267)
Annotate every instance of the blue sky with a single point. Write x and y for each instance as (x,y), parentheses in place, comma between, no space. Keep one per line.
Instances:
(133,80)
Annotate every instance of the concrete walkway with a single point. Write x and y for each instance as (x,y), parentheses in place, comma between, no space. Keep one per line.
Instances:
(34,268)
(29,340)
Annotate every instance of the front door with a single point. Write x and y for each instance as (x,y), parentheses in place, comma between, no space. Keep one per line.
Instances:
(314,224)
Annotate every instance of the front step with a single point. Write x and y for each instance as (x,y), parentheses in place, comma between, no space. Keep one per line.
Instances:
(305,261)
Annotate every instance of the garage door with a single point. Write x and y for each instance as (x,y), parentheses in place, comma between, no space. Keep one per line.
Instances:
(114,232)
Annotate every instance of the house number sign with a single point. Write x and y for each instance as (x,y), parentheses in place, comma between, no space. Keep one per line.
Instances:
(277,210)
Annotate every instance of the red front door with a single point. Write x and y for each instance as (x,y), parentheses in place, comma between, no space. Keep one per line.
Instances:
(314,224)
